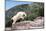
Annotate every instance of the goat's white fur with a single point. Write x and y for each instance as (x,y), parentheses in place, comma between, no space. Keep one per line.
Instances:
(18,16)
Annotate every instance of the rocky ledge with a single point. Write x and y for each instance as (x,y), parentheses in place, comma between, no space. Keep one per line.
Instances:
(37,23)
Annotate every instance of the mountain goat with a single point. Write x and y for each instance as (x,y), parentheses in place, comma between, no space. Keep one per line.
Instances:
(19,15)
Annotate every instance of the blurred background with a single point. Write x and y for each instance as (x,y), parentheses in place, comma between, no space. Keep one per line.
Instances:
(33,10)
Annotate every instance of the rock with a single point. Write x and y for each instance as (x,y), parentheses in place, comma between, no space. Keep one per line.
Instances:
(8,29)
(37,23)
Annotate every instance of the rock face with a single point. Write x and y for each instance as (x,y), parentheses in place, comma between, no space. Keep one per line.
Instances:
(37,23)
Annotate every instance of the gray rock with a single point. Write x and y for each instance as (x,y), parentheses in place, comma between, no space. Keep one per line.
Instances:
(37,23)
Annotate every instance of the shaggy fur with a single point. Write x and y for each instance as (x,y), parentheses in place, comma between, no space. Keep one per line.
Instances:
(18,16)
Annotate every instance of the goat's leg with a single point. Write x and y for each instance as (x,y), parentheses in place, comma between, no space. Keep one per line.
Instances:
(14,22)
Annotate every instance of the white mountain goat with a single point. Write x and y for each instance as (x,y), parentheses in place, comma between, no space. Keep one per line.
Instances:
(19,15)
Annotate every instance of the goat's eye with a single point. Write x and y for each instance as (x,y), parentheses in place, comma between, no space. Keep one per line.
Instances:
(23,15)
